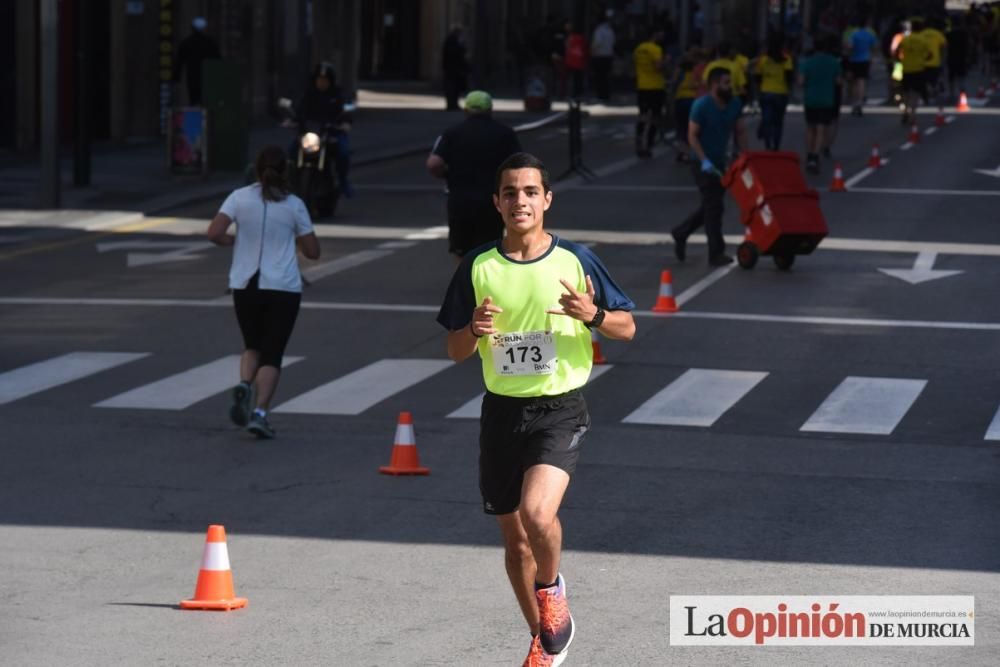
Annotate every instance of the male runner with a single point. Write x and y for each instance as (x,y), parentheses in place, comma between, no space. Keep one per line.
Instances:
(527,303)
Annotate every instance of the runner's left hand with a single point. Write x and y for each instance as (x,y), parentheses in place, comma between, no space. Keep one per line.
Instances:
(578,305)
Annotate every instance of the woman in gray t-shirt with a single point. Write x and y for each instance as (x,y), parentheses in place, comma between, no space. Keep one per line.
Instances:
(271,224)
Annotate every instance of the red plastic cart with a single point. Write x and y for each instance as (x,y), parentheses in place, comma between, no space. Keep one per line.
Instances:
(780,211)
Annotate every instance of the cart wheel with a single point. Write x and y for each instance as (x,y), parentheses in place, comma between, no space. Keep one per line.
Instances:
(747,255)
(784,262)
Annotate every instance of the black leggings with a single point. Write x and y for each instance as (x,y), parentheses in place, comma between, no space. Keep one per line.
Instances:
(266,319)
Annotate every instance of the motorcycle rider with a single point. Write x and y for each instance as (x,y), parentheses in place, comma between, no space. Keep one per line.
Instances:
(323,103)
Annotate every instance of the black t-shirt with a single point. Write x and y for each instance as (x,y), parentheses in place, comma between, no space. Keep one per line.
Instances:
(321,107)
(473,150)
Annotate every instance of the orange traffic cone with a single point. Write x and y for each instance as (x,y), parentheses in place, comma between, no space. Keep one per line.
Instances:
(914,134)
(595,341)
(875,161)
(214,589)
(838,184)
(981,93)
(963,103)
(665,302)
(939,118)
(404,459)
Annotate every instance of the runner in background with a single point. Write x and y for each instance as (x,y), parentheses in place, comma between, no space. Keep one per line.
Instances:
(651,90)
(915,55)
(860,43)
(938,44)
(775,73)
(686,84)
(265,279)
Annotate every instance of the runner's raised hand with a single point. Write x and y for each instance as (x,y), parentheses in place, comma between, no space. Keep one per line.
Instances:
(482,318)
(578,305)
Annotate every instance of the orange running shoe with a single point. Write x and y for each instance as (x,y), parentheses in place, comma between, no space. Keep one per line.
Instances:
(557,628)
(537,657)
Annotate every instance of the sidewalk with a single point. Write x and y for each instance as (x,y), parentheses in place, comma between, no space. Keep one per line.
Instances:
(135,177)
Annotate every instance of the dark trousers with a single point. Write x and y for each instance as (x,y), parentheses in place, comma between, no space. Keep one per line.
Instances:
(602,76)
(682,112)
(772,119)
(454,86)
(709,213)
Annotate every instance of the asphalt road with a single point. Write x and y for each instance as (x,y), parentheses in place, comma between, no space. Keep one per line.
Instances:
(831,430)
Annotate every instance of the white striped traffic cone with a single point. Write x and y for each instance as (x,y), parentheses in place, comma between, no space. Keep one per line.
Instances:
(214,589)
(665,302)
(405,460)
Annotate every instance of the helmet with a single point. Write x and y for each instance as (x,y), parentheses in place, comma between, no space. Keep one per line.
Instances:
(325,69)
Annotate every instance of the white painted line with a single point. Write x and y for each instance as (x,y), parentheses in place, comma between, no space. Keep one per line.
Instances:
(867,405)
(393,187)
(827,321)
(183,390)
(607,170)
(42,375)
(396,245)
(930,130)
(527,127)
(472,409)
(469,410)
(929,191)
(355,392)
(907,146)
(697,398)
(858,177)
(867,171)
(641,188)
(703,284)
(416,308)
(430,233)
(993,432)
(949,119)
(314,273)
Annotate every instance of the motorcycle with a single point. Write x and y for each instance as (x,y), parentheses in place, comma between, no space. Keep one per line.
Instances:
(311,172)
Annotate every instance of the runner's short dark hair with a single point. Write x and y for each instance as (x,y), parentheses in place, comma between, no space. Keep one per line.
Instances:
(717,73)
(522,161)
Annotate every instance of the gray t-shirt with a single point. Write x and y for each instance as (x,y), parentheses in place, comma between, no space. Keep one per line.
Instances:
(265,239)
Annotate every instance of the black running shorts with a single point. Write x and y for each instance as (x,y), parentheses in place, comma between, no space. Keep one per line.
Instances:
(651,101)
(266,318)
(860,70)
(914,82)
(819,115)
(517,433)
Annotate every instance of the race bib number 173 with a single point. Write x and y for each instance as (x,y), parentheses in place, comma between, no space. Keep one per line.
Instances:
(524,353)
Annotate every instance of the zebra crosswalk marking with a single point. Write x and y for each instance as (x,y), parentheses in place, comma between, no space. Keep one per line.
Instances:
(697,398)
(355,392)
(471,409)
(184,389)
(42,375)
(865,405)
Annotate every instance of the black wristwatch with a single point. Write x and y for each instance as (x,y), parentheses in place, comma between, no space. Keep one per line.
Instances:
(598,319)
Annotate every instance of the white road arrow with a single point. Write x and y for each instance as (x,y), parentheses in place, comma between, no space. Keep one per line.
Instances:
(922,271)
(179,251)
(995,173)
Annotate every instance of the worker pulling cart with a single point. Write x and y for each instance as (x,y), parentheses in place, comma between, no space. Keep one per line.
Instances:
(780,212)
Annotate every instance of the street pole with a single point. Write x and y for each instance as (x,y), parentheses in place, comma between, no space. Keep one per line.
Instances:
(685,25)
(81,95)
(49,112)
